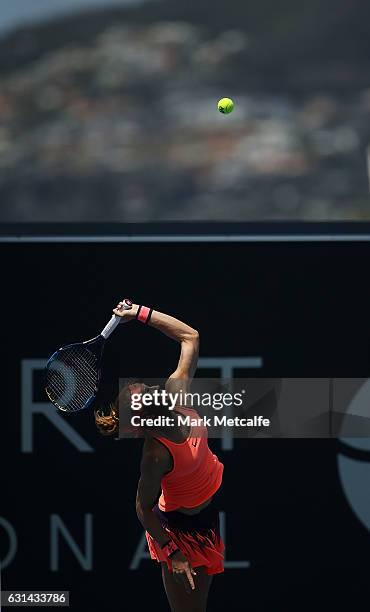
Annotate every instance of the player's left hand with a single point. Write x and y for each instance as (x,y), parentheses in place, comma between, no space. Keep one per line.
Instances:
(182,571)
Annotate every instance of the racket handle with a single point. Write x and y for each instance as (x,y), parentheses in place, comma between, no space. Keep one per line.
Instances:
(115,321)
(110,327)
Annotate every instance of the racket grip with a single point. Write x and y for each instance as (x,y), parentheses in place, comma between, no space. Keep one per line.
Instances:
(115,321)
(111,326)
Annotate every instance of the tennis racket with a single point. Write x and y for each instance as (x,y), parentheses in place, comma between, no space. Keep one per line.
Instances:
(72,374)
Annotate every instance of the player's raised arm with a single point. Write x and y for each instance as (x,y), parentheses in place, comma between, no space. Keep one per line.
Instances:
(187,336)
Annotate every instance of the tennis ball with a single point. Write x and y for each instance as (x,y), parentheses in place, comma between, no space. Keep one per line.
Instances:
(225,106)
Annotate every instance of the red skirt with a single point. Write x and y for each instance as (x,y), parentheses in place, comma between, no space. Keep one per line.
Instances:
(197,536)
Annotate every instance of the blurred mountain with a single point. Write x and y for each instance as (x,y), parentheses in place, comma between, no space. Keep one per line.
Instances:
(282,36)
(111,115)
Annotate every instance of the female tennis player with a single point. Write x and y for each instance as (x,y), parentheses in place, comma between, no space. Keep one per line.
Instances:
(177,466)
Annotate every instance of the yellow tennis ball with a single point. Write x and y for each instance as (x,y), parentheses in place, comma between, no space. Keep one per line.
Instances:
(225,106)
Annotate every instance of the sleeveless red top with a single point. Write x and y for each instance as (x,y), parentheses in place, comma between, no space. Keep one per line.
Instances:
(196,474)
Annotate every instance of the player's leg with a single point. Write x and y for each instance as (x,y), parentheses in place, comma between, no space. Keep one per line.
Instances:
(179,599)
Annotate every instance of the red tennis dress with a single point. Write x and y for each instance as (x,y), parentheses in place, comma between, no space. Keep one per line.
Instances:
(195,477)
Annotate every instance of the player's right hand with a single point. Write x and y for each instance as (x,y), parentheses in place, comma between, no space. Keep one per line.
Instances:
(123,308)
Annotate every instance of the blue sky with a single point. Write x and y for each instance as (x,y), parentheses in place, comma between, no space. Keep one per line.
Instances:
(18,12)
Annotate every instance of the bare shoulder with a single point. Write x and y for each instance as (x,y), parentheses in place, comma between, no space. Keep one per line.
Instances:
(178,384)
(155,457)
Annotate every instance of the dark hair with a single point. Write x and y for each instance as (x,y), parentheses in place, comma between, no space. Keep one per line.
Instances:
(107,424)
(107,420)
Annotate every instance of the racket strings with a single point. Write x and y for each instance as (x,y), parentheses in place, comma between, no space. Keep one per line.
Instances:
(72,378)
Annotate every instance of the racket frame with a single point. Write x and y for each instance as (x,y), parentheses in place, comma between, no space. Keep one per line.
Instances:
(99,342)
